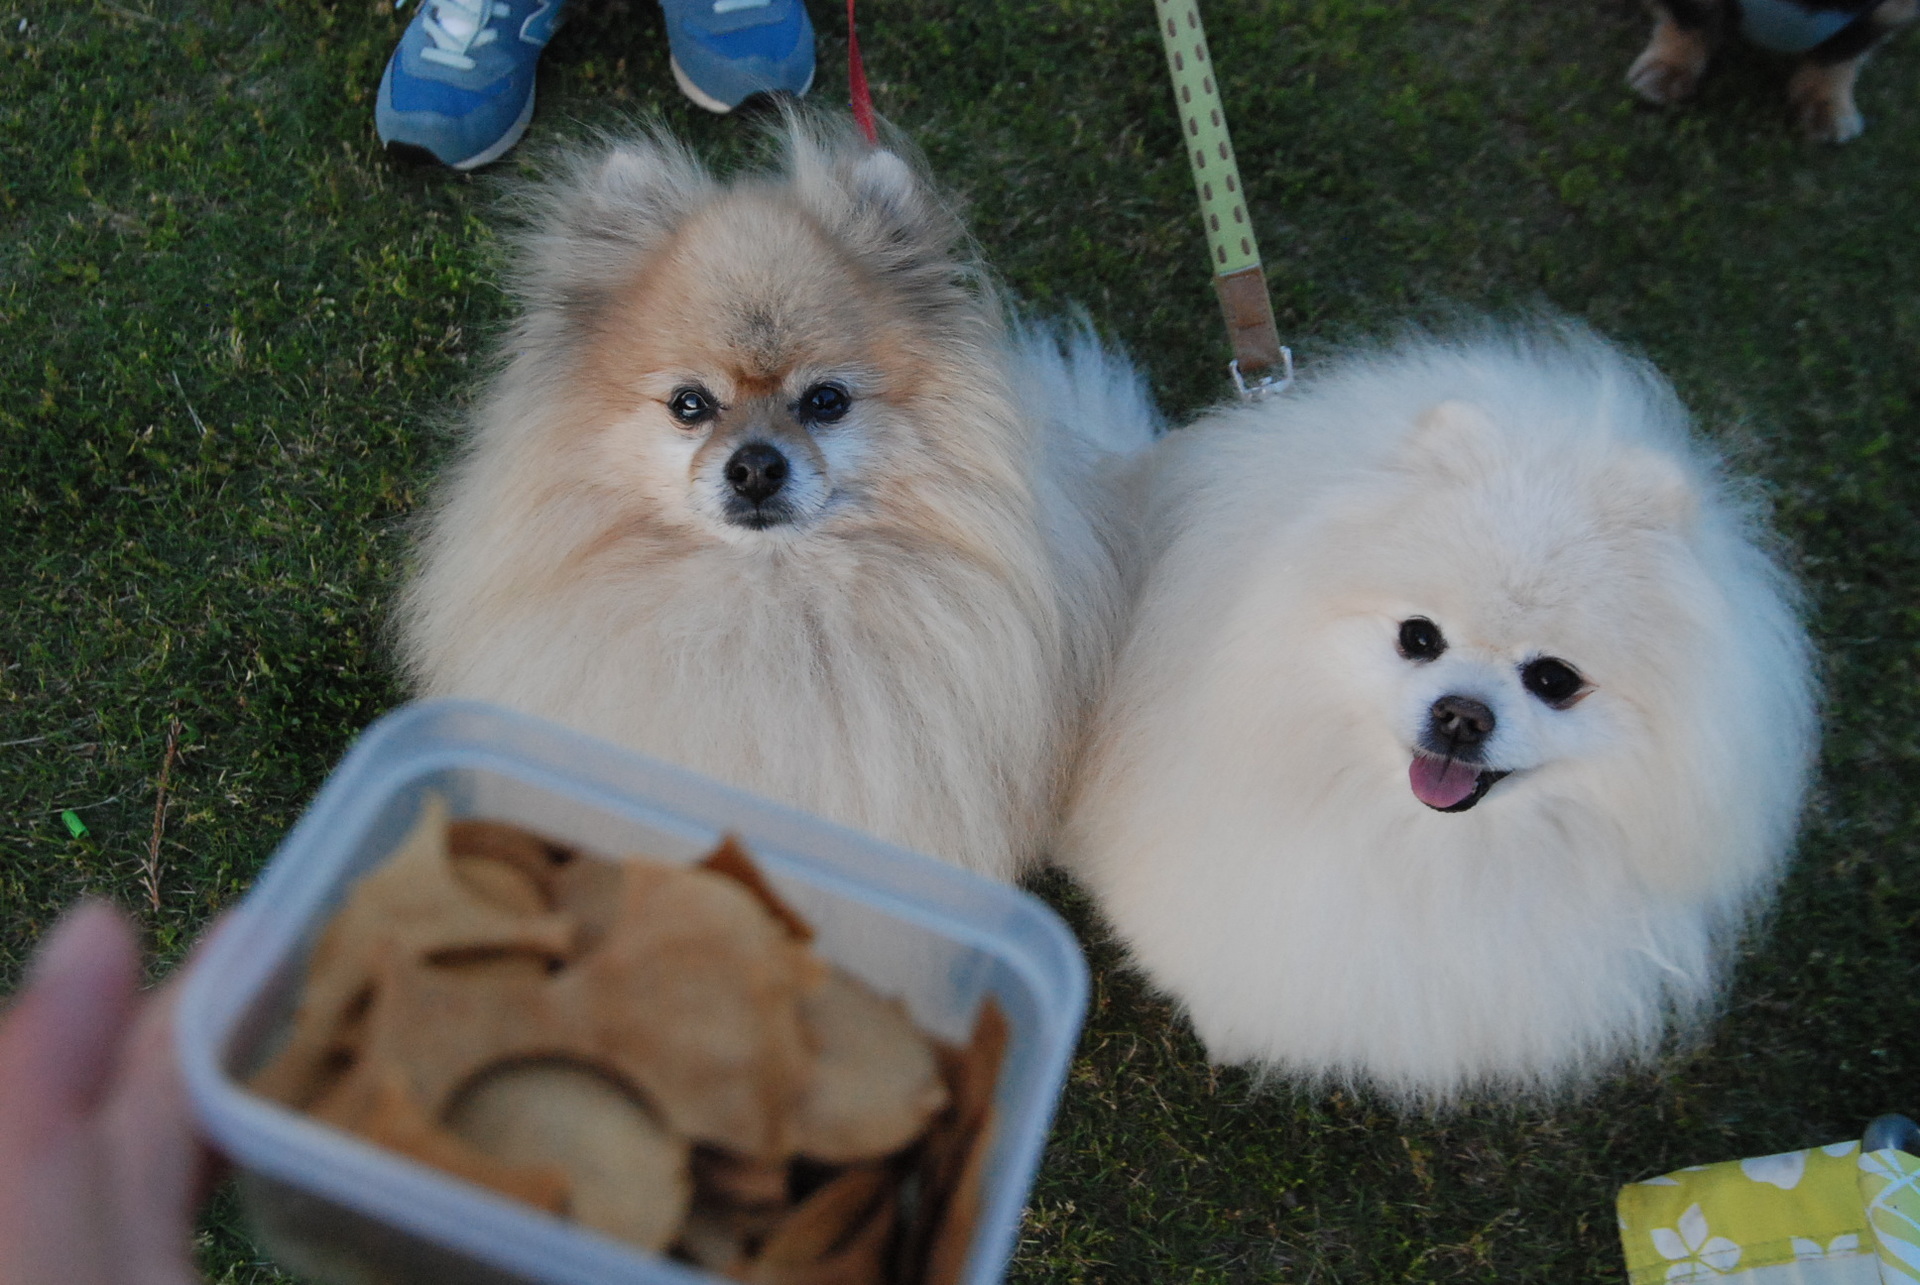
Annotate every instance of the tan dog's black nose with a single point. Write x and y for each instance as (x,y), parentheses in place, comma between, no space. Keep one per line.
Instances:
(756,472)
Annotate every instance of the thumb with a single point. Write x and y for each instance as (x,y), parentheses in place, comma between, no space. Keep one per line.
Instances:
(156,1167)
(59,1038)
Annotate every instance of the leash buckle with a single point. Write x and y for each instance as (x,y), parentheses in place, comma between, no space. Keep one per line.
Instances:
(1267,385)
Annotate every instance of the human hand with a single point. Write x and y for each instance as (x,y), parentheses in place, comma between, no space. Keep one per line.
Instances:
(101,1171)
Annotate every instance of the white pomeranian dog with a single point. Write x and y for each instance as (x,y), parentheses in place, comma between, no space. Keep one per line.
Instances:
(1463,726)
(767,486)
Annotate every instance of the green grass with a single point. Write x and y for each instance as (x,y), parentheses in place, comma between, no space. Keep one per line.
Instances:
(231,331)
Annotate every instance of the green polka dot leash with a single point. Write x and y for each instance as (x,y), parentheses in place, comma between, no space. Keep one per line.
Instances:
(1261,364)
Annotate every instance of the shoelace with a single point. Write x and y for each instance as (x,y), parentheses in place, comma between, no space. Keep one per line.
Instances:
(455,26)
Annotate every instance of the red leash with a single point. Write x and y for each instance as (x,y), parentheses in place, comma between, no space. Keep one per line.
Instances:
(857,82)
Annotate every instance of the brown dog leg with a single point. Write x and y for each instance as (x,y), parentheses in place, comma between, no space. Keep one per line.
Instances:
(1685,34)
(1821,90)
(1822,98)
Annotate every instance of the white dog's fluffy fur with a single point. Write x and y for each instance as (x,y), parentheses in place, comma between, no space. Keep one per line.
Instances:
(907,634)
(1247,817)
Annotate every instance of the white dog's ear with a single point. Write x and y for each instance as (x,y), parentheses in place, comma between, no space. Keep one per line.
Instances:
(1652,490)
(1449,437)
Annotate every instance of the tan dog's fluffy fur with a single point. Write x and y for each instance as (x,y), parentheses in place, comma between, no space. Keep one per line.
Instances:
(908,646)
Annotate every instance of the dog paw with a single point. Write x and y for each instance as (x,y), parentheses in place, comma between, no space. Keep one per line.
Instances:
(1824,123)
(1823,105)
(1660,80)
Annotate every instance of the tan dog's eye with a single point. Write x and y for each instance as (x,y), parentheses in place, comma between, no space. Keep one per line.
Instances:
(692,405)
(823,404)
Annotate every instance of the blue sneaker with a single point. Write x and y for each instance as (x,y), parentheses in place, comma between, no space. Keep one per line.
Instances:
(459,88)
(724,51)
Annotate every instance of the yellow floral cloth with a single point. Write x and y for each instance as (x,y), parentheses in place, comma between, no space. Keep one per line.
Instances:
(1825,1216)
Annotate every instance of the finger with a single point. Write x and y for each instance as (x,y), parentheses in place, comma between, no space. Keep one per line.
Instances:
(156,1165)
(159,1168)
(59,1037)
(59,1042)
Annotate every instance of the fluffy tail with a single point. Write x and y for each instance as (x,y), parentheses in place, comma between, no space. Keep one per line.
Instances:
(1097,396)
(1097,423)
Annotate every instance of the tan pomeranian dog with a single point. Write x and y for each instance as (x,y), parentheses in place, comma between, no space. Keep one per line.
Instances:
(767,486)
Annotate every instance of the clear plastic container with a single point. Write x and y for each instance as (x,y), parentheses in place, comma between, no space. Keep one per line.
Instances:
(340,1209)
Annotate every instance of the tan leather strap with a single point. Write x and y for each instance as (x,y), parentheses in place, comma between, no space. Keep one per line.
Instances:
(1260,362)
(1249,315)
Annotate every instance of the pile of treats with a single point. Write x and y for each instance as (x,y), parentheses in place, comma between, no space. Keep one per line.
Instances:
(654,1051)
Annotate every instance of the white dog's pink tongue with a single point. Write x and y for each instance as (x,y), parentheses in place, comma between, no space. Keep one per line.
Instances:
(1441,783)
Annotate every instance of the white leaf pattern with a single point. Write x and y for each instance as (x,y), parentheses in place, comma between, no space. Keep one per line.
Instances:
(1783,1171)
(1720,1254)
(1693,1228)
(1845,1246)
(1692,1250)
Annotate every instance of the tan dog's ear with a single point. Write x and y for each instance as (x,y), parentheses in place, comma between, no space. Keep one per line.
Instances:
(588,225)
(887,192)
(641,188)
(875,202)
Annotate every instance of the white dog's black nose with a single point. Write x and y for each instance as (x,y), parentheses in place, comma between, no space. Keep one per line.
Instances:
(1457,723)
(756,472)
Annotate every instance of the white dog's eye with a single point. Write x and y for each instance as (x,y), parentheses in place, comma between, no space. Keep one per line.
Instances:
(1421,639)
(692,405)
(823,404)
(1553,681)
